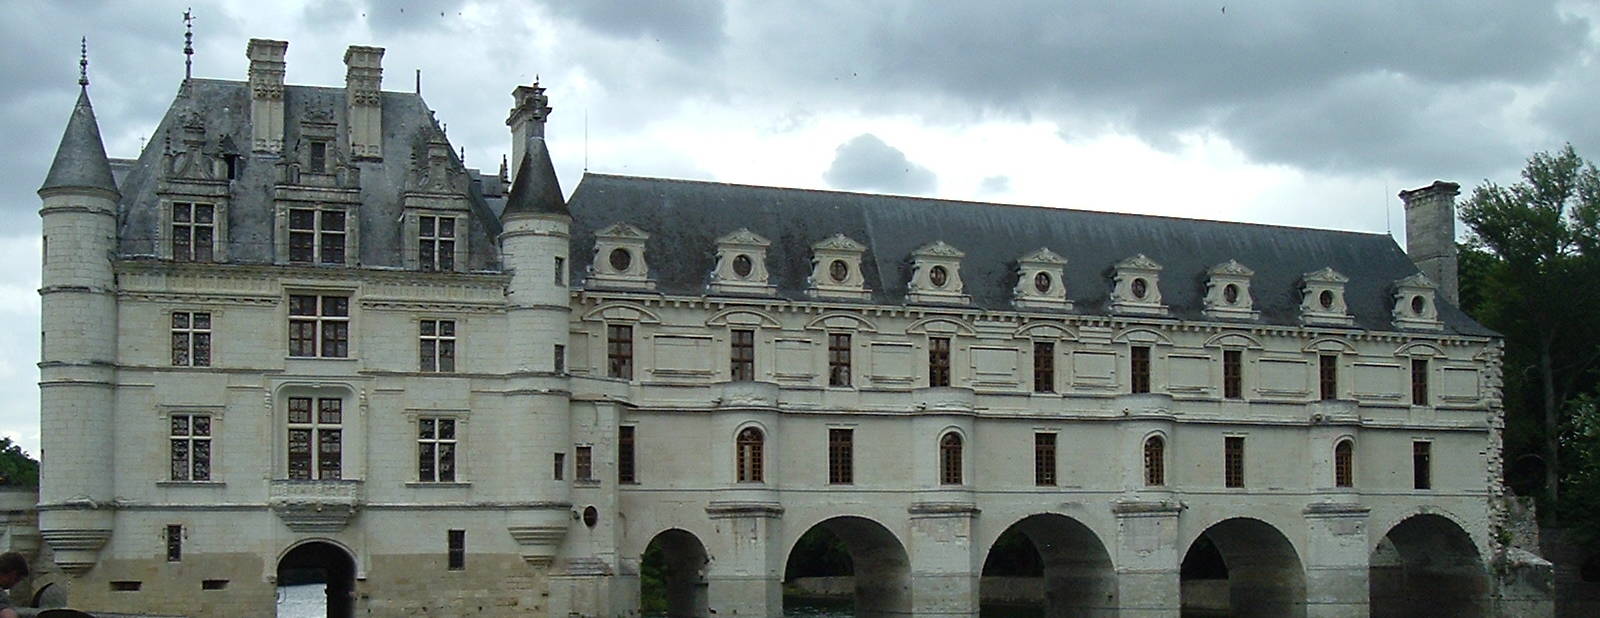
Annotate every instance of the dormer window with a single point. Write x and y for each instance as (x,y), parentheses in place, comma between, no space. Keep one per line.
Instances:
(836,269)
(1228,292)
(436,243)
(1136,287)
(619,258)
(742,264)
(1322,302)
(1040,282)
(193,231)
(318,157)
(1414,306)
(936,275)
(317,235)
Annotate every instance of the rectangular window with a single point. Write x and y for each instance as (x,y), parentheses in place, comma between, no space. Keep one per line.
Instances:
(458,550)
(625,467)
(316,448)
(1044,459)
(1139,369)
(438,345)
(1328,376)
(1233,374)
(1233,461)
(190,439)
(193,231)
(841,456)
(1422,464)
(585,463)
(191,339)
(1419,381)
(619,351)
(319,326)
(742,364)
(316,236)
(560,359)
(1044,367)
(938,361)
(174,543)
(560,468)
(436,450)
(838,359)
(436,243)
(319,156)
(561,270)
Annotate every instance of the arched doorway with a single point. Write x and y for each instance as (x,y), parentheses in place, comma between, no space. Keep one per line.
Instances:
(1427,566)
(672,576)
(853,554)
(316,576)
(1051,563)
(1242,567)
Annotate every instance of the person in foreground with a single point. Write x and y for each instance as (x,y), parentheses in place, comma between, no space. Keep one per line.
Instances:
(13,569)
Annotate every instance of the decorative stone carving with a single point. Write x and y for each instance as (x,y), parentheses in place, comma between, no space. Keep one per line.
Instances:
(936,275)
(1414,303)
(619,259)
(1041,283)
(1136,287)
(1228,292)
(315,506)
(836,269)
(1322,299)
(742,264)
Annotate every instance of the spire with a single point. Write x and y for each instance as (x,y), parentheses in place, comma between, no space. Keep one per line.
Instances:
(536,190)
(188,43)
(83,63)
(81,158)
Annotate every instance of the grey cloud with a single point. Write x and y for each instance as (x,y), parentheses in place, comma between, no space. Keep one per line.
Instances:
(692,28)
(391,16)
(867,163)
(995,184)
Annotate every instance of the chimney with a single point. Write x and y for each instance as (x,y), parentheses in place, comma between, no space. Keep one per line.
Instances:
(363,82)
(266,94)
(526,120)
(1431,234)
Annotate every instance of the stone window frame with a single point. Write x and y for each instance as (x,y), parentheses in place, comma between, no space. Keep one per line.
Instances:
(630,241)
(438,442)
(215,412)
(841,358)
(219,234)
(173,536)
(1416,304)
(629,370)
(463,441)
(1234,461)
(1041,262)
(843,250)
(583,463)
(940,368)
(351,233)
(1344,464)
(351,320)
(936,275)
(456,550)
(351,426)
(439,339)
(725,277)
(1046,474)
(841,461)
(1155,469)
(742,354)
(1222,277)
(1129,277)
(628,454)
(189,228)
(416,240)
(750,454)
(1249,349)
(1322,299)
(1422,464)
(952,458)
(1045,377)
(193,333)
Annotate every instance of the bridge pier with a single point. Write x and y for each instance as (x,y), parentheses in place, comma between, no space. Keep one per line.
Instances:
(1147,558)
(944,571)
(746,579)
(1336,560)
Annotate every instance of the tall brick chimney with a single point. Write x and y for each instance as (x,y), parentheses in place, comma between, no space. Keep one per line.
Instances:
(266,94)
(363,83)
(1431,234)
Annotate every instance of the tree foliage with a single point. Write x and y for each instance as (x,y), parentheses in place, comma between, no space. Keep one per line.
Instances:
(16,467)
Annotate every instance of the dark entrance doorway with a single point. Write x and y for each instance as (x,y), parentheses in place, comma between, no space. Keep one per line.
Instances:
(314,564)
(672,576)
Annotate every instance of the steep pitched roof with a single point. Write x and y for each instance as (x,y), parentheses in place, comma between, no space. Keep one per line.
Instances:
(81,158)
(536,188)
(684,219)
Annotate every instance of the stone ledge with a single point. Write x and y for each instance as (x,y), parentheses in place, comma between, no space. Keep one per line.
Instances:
(731,509)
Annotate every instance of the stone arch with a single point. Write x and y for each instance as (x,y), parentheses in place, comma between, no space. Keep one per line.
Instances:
(939,325)
(1243,567)
(880,569)
(676,561)
(322,561)
(1427,565)
(1077,575)
(740,316)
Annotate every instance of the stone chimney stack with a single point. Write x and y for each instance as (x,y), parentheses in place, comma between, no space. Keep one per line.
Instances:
(363,82)
(266,94)
(1431,234)
(526,121)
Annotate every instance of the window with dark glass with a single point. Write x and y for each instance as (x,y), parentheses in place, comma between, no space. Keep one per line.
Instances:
(457,550)
(1155,463)
(560,359)
(319,156)
(1233,461)
(1044,367)
(316,236)
(436,243)
(625,467)
(316,449)
(1044,459)
(841,456)
(191,339)
(749,454)
(1139,368)
(1233,374)
(1344,464)
(436,450)
(742,365)
(1419,381)
(193,231)
(838,359)
(950,459)
(619,351)
(1328,376)
(319,326)
(1422,464)
(559,470)
(584,462)
(174,543)
(561,270)
(190,440)
(438,345)
(938,361)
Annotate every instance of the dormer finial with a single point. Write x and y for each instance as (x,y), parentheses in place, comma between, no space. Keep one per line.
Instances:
(188,43)
(83,63)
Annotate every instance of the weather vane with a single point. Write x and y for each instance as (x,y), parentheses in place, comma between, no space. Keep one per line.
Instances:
(83,62)
(188,43)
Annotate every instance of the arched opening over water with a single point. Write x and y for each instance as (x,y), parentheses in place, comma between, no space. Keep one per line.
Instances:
(849,558)
(1242,567)
(672,576)
(316,578)
(1051,564)
(1427,566)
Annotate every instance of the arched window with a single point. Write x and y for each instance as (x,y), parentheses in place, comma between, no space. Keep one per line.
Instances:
(1344,464)
(749,458)
(950,459)
(1155,463)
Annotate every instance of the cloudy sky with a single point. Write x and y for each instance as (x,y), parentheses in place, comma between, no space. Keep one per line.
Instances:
(1303,113)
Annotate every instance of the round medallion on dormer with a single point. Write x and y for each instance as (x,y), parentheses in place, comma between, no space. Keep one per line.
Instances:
(1140,288)
(742,265)
(1418,304)
(1326,298)
(1041,282)
(621,259)
(938,276)
(839,271)
(1230,294)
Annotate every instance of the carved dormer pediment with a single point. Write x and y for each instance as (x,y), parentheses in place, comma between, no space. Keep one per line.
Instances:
(1228,292)
(1322,298)
(836,269)
(1136,287)
(742,264)
(936,275)
(619,258)
(435,171)
(1041,281)
(1414,303)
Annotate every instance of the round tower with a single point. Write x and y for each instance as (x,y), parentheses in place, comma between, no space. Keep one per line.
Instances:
(78,344)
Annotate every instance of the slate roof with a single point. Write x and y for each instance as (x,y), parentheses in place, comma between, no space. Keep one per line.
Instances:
(536,190)
(684,219)
(81,158)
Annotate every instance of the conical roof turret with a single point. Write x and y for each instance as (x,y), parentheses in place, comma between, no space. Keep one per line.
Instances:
(536,189)
(81,158)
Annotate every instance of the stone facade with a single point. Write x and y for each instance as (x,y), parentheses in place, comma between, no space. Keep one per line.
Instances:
(323,343)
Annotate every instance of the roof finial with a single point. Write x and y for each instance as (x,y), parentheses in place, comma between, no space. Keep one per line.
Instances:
(83,63)
(188,43)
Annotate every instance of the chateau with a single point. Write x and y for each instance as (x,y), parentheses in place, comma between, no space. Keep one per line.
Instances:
(297,335)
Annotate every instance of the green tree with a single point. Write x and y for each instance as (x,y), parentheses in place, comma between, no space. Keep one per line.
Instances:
(16,467)
(1536,272)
